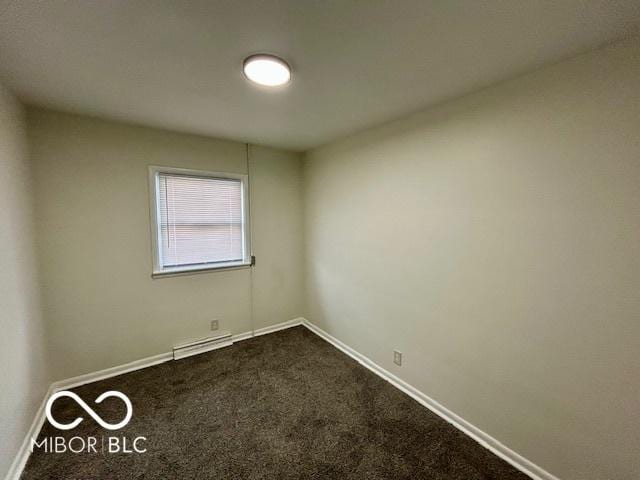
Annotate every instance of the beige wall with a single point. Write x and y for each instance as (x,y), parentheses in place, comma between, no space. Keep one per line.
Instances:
(24,376)
(495,241)
(92,206)
(276,215)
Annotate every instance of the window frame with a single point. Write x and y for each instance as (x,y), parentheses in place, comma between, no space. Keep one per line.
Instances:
(158,270)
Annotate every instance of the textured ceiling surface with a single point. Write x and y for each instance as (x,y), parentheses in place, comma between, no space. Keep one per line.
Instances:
(357,63)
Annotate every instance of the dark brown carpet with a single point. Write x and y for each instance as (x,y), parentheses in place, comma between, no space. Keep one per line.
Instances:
(282,406)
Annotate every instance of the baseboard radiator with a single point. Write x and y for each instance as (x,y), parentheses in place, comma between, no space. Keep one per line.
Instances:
(224,339)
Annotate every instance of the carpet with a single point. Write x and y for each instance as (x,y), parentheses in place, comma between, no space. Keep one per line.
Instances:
(287,405)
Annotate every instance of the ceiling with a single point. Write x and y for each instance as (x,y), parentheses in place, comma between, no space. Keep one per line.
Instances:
(356,63)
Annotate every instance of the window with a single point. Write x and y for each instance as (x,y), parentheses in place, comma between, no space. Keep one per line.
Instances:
(199,220)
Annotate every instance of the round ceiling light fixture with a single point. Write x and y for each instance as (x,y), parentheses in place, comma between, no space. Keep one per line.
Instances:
(267,70)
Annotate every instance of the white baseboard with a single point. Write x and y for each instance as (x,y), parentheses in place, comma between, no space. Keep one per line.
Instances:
(20,460)
(486,440)
(160,358)
(518,461)
(279,326)
(23,453)
(238,337)
(111,372)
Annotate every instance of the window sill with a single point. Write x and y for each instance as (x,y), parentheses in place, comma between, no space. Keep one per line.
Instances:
(178,272)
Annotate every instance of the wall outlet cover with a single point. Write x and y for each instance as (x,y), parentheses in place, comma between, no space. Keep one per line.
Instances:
(215,324)
(397,357)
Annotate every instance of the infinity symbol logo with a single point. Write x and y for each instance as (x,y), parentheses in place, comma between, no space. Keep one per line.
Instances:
(89,410)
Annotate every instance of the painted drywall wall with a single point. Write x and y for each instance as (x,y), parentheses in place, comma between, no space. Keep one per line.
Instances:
(24,375)
(276,186)
(495,241)
(92,207)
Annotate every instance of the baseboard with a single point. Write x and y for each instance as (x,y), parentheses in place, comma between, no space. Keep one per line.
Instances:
(279,326)
(20,460)
(197,347)
(486,440)
(270,329)
(111,372)
(238,337)
(157,359)
(518,461)
(23,453)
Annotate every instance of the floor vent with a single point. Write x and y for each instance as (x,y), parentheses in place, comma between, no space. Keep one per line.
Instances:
(202,345)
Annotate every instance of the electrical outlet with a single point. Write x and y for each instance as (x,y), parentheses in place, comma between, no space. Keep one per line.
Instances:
(214,325)
(397,357)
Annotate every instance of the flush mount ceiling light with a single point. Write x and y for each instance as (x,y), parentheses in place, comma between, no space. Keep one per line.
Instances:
(267,70)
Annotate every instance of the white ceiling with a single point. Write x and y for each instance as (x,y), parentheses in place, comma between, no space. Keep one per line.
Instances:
(177,64)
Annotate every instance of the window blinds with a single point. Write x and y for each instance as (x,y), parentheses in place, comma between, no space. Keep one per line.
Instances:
(200,220)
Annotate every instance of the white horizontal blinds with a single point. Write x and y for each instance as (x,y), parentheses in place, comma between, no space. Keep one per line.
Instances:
(200,220)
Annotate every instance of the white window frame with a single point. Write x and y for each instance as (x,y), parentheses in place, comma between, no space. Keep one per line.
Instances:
(158,270)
